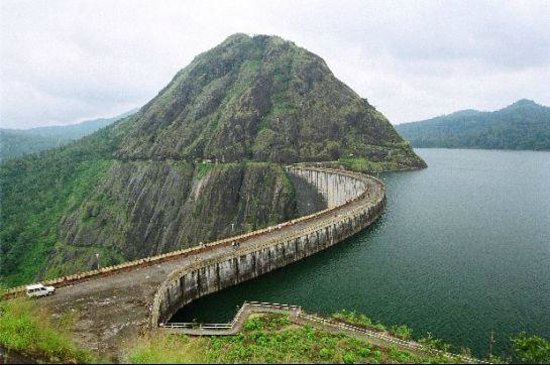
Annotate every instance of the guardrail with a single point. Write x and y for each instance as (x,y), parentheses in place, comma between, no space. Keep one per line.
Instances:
(411,345)
(201,326)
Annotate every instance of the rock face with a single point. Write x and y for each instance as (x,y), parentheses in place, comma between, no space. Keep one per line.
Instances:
(144,208)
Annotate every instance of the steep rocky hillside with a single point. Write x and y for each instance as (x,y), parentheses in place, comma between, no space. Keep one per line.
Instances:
(144,185)
(144,208)
(259,98)
(60,216)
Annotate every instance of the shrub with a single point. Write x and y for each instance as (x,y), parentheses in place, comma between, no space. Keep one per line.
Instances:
(531,349)
(348,358)
(364,352)
(402,332)
(253,324)
(325,353)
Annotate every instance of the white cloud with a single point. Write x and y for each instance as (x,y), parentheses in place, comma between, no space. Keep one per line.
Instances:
(65,61)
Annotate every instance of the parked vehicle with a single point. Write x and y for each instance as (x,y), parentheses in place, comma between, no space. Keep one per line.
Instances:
(39,290)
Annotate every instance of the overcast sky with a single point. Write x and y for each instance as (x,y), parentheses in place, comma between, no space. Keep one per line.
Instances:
(67,61)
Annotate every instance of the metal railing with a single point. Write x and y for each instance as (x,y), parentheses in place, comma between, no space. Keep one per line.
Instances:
(199,326)
(411,345)
(230,325)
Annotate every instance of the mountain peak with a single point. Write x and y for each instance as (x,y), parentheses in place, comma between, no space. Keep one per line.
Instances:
(251,40)
(522,103)
(257,97)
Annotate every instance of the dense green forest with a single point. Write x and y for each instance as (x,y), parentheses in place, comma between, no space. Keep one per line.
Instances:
(202,158)
(523,125)
(18,142)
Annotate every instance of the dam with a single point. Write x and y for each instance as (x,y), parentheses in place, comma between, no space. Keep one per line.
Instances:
(115,304)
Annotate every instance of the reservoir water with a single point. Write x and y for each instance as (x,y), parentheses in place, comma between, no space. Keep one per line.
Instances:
(462,249)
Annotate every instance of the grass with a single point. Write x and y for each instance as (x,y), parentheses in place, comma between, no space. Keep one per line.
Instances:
(27,329)
(202,169)
(363,164)
(362,320)
(269,338)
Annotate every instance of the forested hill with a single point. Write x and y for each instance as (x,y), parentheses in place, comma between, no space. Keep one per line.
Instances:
(523,125)
(18,142)
(149,183)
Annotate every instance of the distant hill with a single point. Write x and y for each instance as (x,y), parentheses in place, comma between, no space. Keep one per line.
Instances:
(524,125)
(18,142)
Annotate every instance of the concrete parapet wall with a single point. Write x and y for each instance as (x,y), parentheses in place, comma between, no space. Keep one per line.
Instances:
(354,200)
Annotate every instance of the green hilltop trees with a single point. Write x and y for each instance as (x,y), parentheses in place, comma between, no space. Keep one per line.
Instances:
(523,125)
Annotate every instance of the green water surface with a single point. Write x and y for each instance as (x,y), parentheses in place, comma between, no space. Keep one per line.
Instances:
(462,249)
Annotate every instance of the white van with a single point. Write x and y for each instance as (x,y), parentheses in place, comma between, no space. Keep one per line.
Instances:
(39,290)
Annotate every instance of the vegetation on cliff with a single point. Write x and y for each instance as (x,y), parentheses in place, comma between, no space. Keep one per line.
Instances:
(150,183)
(128,210)
(259,98)
(523,125)
(36,193)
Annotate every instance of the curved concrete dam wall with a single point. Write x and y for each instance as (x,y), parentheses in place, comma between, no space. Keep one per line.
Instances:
(116,303)
(354,201)
(336,188)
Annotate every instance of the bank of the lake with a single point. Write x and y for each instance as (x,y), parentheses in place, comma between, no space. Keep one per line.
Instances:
(12,357)
(463,249)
